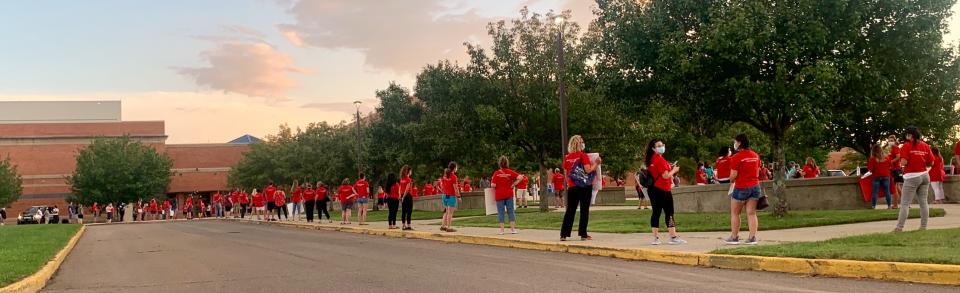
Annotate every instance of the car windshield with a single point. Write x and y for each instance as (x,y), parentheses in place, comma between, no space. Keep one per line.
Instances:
(32,210)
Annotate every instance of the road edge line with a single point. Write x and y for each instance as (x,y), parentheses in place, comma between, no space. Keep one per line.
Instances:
(38,280)
(939,274)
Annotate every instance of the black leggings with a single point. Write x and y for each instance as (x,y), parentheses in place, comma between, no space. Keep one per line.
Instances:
(322,207)
(243,210)
(661,201)
(407,215)
(309,209)
(577,196)
(393,204)
(282,210)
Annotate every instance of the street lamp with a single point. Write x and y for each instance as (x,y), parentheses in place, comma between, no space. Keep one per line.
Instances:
(359,164)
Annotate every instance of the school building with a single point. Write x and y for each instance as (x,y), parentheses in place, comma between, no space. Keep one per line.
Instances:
(43,139)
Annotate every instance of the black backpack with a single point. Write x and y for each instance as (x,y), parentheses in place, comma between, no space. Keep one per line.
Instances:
(645,178)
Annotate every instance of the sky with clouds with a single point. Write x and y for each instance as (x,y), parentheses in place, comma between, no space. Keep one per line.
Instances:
(218,69)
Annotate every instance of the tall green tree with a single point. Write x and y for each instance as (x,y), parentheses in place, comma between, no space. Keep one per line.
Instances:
(119,169)
(11,185)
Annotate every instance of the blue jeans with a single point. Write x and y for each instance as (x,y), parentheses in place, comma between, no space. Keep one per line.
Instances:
(879,181)
(506,204)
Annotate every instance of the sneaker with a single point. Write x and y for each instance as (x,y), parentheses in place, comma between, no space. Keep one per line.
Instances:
(588,237)
(752,241)
(656,241)
(675,240)
(500,233)
(897,230)
(514,232)
(451,230)
(444,229)
(732,240)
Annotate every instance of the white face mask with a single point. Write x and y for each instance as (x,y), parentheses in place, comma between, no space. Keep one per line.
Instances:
(736,145)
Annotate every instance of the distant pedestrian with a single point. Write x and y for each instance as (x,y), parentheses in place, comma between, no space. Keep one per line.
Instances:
(381,197)
(896,168)
(745,190)
(879,167)
(280,198)
(95,209)
(347,195)
(109,210)
(810,169)
(641,191)
(167,210)
(3,216)
(269,192)
(392,200)
(323,198)
(916,157)
(701,173)
(296,200)
(406,187)
(218,205)
(660,192)
(310,200)
(522,191)
(362,188)
(451,196)
(558,188)
(503,181)
(259,205)
(936,176)
(723,165)
(580,170)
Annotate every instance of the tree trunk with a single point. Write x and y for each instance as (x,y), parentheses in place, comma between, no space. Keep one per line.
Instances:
(544,204)
(779,176)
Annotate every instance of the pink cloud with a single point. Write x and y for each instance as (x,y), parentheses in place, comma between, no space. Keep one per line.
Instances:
(254,69)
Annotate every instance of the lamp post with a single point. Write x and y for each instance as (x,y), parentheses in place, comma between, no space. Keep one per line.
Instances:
(359,164)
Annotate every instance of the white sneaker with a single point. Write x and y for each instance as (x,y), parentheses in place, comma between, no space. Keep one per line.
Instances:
(752,241)
(732,241)
(656,241)
(675,240)
(514,232)
(500,233)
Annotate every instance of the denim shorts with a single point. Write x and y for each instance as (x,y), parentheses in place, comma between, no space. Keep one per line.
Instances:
(346,205)
(362,200)
(450,201)
(744,194)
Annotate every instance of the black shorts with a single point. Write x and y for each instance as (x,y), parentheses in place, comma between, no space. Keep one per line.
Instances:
(897,175)
(271,206)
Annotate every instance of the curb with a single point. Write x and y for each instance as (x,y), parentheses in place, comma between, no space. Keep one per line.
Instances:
(939,274)
(38,280)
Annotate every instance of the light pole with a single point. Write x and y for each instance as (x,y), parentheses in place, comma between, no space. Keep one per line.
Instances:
(359,164)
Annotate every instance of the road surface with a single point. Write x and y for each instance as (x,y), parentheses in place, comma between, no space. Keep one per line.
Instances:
(216,256)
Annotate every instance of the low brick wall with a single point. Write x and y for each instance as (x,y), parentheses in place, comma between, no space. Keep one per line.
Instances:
(471,200)
(611,195)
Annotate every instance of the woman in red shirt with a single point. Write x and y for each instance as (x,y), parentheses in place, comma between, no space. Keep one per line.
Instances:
(503,181)
(296,200)
(467,188)
(346,194)
(896,171)
(810,169)
(916,157)
(745,190)
(723,165)
(879,167)
(392,200)
(557,181)
(451,196)
(936,176)
(309,200)
(381,197)
(322,199)
(660,193)
(577,195)
(406,186)
(701,174)
(244,200)
(259,205)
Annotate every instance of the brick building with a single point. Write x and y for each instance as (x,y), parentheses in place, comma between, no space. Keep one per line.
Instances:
(43,138)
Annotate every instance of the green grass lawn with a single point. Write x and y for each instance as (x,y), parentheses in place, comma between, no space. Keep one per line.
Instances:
(931,246)
(633,221)
(377,216)
(24,249)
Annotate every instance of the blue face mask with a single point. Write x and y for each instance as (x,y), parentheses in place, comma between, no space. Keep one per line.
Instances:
(660,149)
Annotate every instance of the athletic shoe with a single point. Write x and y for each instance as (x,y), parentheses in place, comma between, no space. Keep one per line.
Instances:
(675,240)
(451,230)
(500,233)
(586,238)
(656,241)
(444,229)
(897,230)
(514,232)
(752,241)
(732,240)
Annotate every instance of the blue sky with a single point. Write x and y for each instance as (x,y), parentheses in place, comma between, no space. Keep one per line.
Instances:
(217,69)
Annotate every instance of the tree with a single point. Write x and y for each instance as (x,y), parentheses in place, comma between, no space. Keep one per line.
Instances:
(119,170)
(770,64)
(11,185)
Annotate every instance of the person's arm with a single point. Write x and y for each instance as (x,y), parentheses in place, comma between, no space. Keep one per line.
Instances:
(668,174)
(733,177)
(593,164)
(519,178)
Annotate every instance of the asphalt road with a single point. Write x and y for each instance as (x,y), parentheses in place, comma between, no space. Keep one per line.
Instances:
(213,256)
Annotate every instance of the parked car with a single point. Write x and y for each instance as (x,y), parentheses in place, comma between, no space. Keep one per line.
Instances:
(836,173)
(33,215)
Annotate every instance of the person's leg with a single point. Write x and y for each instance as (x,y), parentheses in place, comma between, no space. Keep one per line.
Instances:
(585,196)
(736,207)
(937,191)
(407,214)
(922,193)
(885,184)
(753,223)
(566,227)
(501,209)
(654,195)
(873,193)
(511,213)
(450,220)
(310,204)
(326,209)
(910,187)
(392,205)
(668,213)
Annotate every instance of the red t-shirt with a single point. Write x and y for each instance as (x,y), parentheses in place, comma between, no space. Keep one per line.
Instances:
(153,205)
(416,191)
(309,194)
(894,151)
(280,198)
(504,179)
(258,199)
(657,167)
(764,173)
(244,198)
(570,160)
(381,194)
(166,205)
(879,168)
(363,188)
(448,184)
(701,176)
(321,193)
(956,150)
(466,186)
(269,192)
(918,156)
(345,192)
(201,204)
(189,203)
(297,195)
(747,165)
(723,168)
(937,173)
(428,189)
(95,207)
(524,183)
(217,197)
(810,171)
(405,187)
(235,197)
(558,181)
(394,191)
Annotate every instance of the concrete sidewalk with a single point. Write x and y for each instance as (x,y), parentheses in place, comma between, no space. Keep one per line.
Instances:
(697,241)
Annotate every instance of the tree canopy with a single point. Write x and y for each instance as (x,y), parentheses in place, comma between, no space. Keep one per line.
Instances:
(119,170)
(10,183)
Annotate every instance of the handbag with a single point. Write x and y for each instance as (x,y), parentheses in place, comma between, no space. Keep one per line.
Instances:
(579,175)
(762,203)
